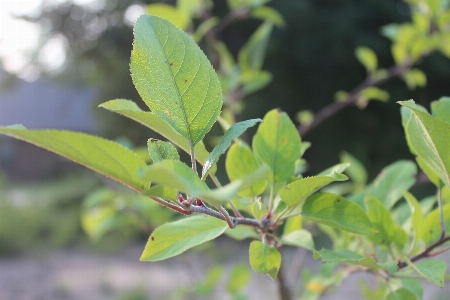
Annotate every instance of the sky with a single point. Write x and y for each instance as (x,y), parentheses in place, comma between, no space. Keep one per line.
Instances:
(18,38)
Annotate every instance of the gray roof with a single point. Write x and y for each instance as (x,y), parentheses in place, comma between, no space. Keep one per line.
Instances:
(44,104)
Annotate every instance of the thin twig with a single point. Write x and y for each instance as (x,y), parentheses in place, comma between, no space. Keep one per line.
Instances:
(352,97)
(171,206)
(426,253)
(213,213)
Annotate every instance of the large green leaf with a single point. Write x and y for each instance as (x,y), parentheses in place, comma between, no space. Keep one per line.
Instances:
(338,212)
(129,109)
(103,156)
(388,231)
(160,150)
(277,144)
(389,184)
(402,294)
(239,162)
(299,238)
(431,230)
(175,78)
(233,132)
(351,257)
(430,140)
(294,193)
(265,259)
(174,238)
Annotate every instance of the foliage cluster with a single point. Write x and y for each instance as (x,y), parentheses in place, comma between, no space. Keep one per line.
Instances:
(378,227)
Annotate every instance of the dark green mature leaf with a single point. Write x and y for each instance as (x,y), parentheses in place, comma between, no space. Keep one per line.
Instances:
(233,132)
(160,150)
(389,184)
(294,193)
(348,256)
(265,259)
(103,156)
(388,231)
(239,162)
(129,109)
(174,77)
(174,238)
(338,212)
(277,144)
(176,175)
(429,139)
(433,270)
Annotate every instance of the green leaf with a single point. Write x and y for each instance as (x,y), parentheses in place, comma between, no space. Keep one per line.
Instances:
(265,259)
(259,209)
(225,193)
(440,109)
(417,216)
(374,93)
(239,162)
(103,156)
(415,78)
(356,171)
(233,132)
(206,287)
(204,28)
(239,278)
(432,269)
(277,143)
(160,150)
(268,14)
(430,140)
(174,78)
(129,109)
(337,212)
(174,238)
(241,233)
(292,224)
(251,56)
(367,58)
(162,191)
(176,175)
(347,256)
(388,231)
(174,15)
(294,193)
(432,225)
(389,184)
(431,174)
(402,294)
(299,238)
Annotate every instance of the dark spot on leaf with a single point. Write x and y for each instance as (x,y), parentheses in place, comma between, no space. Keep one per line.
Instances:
(382,241)
(283,139)
(153,238)
(185,80)
(338,200)
(171,64)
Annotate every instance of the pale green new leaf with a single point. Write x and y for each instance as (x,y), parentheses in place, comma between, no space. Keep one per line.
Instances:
(441,109)
(162,191)
(174,77)
(174,238)
(129,109)
(388,231)
(103,156)
(417,216)
(430,140)
(294,193)
(233,132)
(225,193)
(176,175)
(356,171)
(367,58)
(432,225)
(265,259)
(259,209)
(402,294)
(432,269)
(241,233)
(160,150)
(348,256)
(292,224)
(269,14)
(299,238)
(239,162)
(251,56)
(277,143)
(337,212)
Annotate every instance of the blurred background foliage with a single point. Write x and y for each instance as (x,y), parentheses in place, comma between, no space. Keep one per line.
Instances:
(309,57)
